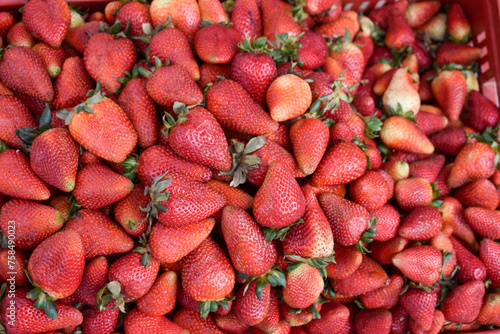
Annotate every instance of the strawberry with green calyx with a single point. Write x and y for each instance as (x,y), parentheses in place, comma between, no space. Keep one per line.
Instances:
(197,136)
(96,123)
(285,48)
(243,161)
(53,152)
(319,264)
(279,233)
(158,193)
(275,277)
(367,236)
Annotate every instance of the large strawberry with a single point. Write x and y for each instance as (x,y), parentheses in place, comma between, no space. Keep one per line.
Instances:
(399,133)
(482,112)
(423,222)
(275,20)
(309,139)
(72,84)
(464,303)
(420,264)
(450,90)
(47,20)
(22,70)
(470,266)
(14,115)
(401,93)
(216,44)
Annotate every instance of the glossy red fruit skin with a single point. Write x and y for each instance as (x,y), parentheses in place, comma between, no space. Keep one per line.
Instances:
(246,19)
(314,50)
(136,322)
(420,305)
(14,115)
(47,20)
(385,297)
(248,308)
(399,320)
(194,323)
(65,248)
(216,44)
(480,193)
(421,264)
(72,84)
(78,37)
(304,285)
(97,321)
(95,276)
(13,266)
(489,254)
(347,261)
(484,222)
(333,315)
(423,222)
(471,267)
(363,189)
(207,274)
(373,321)
(464,303)
(309,138)
(160,300)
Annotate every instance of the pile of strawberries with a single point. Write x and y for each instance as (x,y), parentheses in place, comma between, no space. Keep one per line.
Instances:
(250,166)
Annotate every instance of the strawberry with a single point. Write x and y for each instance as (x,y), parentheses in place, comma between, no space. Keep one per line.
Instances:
(185,15)
(171,44)
(207,275)
(78,37)
(90,124)
(421,264)
(19,36)
(272,319)
(211,73)
(14,115)
(234,196)
(17,179)
(480,193)
(459,54)
(101,321)
(98,186)
(314,51)
(213,11)
(111,10)
(387,222)
(52,58)
(339,26)
(96,16)
(304,285)
(489,311)
(279,97)
(450,90)
(442,242)
(304,134)
(482,112)
(216,44)
(423,222)
(430,123)
(72,84)
(7,20)
(294,318)
(399,33)
(399,320)
(398,170)
(398,133)
(282,328)
(137,322)
(333,316)
(437,324)
(470,267)
(54,282)
(94,227)
(47,20)
(474,161)
(22,70)
(194,323)
(464,303)
(279,201)
(384,251)
(401,93)
(161,298)
(13,267)
(343,163)
(435,28)
(449,141)
(373,321)
(159,159)
(276,21)
(95,276)
(347,261)
(488,253)
(248,308)
(339,132)
(368,277)
(127,211)
(382,15)
(313,238)
(427,169)
(458,27)
(350,57)
(413,192)
(385,297)
(418,13)
(229,323)
(251,254)
(246,19)
(371,190)
(207,146)
(420,305)
(31,319)
(133,16)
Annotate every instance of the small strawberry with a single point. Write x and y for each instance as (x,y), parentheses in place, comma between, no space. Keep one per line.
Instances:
(72,84)
(333,315)
(458,27)
(304,285)
(216,44)
(246,19)
(95,276)
(133,16)
(304,134)
(248,307)
(399,33)
(296,318)
(420,305)
(384,297)
(185,15)
(435,28)
(398,170)
(213,11)
(489,314)
(418,13)
(137,322)
(470,267)
(413,192)
(279,97)
(474,161)
(314,51)
(78,37)
(339,26)
(423,222)
(371,190)
(373,321)
(488,253)
(387,222)
(401,134)
(47,20)
(111,10)
(459,54)
(272,319)
(52,58)
(161,298)
(7,20)
(464,303)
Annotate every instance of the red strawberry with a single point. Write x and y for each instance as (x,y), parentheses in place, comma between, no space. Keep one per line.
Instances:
(234,196)
(449,141)
(216,44)
(398,170)
(382,15)
(309,139)
(304,285)
(387,222)
(339,132)
(213,11)
(128,214)
(423,222)
(185,15)
(458,27)
(368,277)
(428,169)
(464,303)
(400,134)
(194,323)
(474,161)
(295,318)
(100,321)
(14,115)
(78,37)
(7,20)
(18,180)
(371,190)
(160,300)
(276,21)
(489,311)
(343,163)
(22,70)
(456,53)
(31,319)
(488,253)
(420,305)
(98,186)
(418,13)
(251,254)
(482,112)
(430,123)
(399,33)
(13,266)
(373,321)
(72,85)
(159,159)
(421,264)
(248,308)
(470,267)
(314,52)
(350,57)
(384,251)
(272,319)
(413,192)
(137,322)
(207,275)
(442,242)
(135,15)
(437,324)
(384,297)
(339,25)
(52,58)
(480,193)
(229,323)
(47,20)
(288,97)
(399,320)
(95,276)
(450,90)
(19,36)
(246,19)
(347,261)
(279,201)
(212,73)
(100,235)
(333,316)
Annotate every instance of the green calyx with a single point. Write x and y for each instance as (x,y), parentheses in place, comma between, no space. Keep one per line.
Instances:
(435,194)
(285,48)
(319,263)
(127,77)
(279,233)
(328,291)
(131,163)
(367,236)
(157,65)
(169,121)
(42,300)
(312,308)
(28,135)
(274,276)
(157,192)
(338,43)
(207,306)
(111,291)
(373,125)
(115,29)
(3,147)
(409,114)
(149,32)
(94,96)
(257,45)
(243,161)
(298,12)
